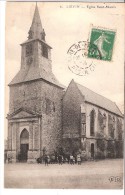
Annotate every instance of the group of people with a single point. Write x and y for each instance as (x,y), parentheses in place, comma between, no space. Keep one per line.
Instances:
(60,159)
(74,160)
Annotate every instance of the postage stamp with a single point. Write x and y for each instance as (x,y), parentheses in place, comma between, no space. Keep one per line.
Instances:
(103,41)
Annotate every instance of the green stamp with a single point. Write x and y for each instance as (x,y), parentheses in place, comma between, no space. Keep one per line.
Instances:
(101,44)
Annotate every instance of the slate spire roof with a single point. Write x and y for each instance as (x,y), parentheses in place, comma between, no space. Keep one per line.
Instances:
(36,28)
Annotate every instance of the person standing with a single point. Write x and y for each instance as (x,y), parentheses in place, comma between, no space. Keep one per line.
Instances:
(60,159)
(46,160)
(71,159)
(79,159)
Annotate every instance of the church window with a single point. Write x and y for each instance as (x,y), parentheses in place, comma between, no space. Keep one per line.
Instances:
(83,128)
(44,51)
(119,129)
(83,118)
(92,122)
(101,121)
(83,123)
(48,106)
(29,49)
(53,107)
(111,126)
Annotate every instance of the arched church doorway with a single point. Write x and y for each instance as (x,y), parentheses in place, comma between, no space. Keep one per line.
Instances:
(24,145)
(92,150)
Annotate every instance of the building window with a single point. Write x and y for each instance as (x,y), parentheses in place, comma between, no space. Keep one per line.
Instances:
(83,118)
(48,106)
(119,129)
(44,51)
(83,128)
(83,123)
(111,126)
(101,121)
(53,107)
(29,49)
(92,122)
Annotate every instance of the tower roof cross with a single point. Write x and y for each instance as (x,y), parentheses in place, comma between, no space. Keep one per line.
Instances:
(36,29)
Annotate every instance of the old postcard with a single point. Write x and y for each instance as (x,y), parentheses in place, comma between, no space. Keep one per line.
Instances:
(64,95)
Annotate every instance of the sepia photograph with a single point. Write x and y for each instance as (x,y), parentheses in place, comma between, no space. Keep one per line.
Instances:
(64,95)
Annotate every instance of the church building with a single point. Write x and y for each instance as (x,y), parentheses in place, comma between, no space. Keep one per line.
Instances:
(44,115)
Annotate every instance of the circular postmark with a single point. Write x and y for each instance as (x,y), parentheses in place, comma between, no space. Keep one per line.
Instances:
(78,59)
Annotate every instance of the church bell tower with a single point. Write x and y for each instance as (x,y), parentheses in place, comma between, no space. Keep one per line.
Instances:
(36,53)
(34,119)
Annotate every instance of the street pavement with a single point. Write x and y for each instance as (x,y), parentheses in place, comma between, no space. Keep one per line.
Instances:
(103,174)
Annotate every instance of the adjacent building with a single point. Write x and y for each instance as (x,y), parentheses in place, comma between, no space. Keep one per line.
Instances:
(91,122)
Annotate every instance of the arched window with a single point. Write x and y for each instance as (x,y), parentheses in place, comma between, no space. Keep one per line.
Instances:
(92,122)
(119,129)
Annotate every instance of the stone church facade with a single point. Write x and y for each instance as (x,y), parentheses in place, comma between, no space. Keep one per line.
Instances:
(44,115)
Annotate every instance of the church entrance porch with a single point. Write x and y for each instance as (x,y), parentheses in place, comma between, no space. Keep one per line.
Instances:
(24,140)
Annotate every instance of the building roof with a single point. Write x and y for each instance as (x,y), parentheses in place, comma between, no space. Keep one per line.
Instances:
(23,113)
(42,41)
(36,28)
(35,74)
(99,100)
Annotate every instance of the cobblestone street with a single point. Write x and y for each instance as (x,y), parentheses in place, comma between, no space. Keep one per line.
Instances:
(104,174)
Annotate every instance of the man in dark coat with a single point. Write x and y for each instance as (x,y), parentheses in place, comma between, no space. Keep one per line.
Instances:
(46,160)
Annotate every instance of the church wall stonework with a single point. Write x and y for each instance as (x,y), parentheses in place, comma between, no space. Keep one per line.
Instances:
(17,139)
(36,136)
(72,101)
(45,99)
(51,117)
(26,95)
(31,136)
(9,136)
(71,119)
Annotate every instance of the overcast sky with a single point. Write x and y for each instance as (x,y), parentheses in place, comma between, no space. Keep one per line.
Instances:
(65,26)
